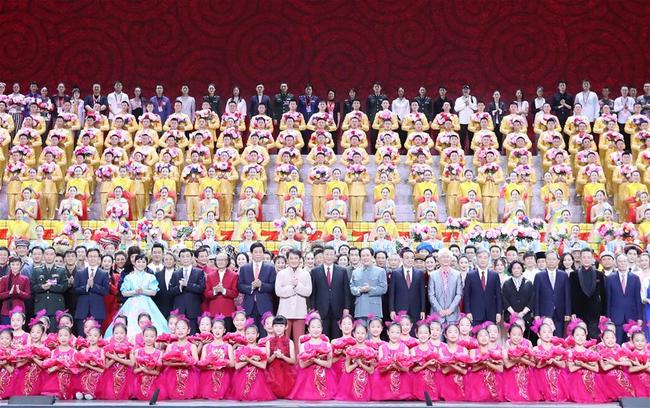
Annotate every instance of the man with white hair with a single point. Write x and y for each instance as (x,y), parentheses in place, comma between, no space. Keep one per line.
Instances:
(445,289)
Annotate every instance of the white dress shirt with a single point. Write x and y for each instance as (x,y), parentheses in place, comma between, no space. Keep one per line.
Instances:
(465,107)
(241,105)
(168,276)
(590,104)
(552,276)
(619,104)
(400,107)
(115,102)
(529,274)
(189,106)
(644,291)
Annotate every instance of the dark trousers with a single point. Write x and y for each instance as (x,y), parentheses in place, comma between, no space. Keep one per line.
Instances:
(620,334)
(79,326)
(559,327)
(194,325)
(331,325)
(464,138)
(228,323)
(257,316)
(53,325)
(5,320)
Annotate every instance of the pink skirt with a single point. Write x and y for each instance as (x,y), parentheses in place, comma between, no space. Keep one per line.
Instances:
(391,386)
(550,383)
(517,384)
(249,384)
(354,386)
(28,380)
(616,384)
(59,384)
(452,386)
(585,387)
(314,383)
(87,383)
(641,384)
(180,383)
(144,385)
(115,383)
(425,380)
(483,386)
(214,383)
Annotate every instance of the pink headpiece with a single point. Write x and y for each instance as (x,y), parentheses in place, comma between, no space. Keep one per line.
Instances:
(174,313)
(16,309)
(61,314)
(631,327)
(537,323)
(512,321)
(238,311)
(573,324)
(204,314)
(311,316)
(37,318)
(343,316)
(481,326)
(265,316)
(249,323)
(603,321)
(219,317)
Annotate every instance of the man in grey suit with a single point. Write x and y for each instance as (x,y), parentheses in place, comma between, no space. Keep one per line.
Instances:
(445,289)
(367,285)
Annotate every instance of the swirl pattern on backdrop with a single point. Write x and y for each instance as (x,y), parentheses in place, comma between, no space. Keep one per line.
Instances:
(336,44)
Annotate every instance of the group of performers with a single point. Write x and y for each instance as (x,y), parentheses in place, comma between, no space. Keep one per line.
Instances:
(401,360)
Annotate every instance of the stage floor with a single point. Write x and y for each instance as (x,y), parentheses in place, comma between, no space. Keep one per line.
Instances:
(295,404)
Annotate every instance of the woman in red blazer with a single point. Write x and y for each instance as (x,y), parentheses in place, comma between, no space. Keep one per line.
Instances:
(221,290)
(14,289)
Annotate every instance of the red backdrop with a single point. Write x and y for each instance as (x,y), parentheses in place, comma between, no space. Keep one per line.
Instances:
(495,44)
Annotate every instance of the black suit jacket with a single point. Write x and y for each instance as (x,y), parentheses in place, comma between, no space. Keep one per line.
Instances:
(483,304)
(164,299)
(337,296)
(188,300)
(90,302)
(518,299)
(254,104)
(401,297)
(588,307)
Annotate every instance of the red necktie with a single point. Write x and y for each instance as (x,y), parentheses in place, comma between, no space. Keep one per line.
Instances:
(408,279)
(483,282)
(329,276)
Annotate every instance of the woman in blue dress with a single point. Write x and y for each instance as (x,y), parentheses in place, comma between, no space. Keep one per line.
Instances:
(138,288)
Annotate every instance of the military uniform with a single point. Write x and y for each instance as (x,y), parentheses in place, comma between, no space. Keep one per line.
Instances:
(52,299)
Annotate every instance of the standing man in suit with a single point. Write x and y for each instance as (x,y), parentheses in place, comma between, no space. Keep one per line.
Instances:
(553,294)
(187,286)
(90,285)
(49,283)
(623,293)
(367,285)
(281,103)
(445,289)
(482,294)
(588,293)
(406,290)
(221,290)
(257,284)
(163,299)
(308,103)
(330,293)
(260,99)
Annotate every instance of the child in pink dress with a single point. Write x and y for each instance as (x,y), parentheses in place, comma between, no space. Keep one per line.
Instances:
(315,380)
(281,365)
(583,380)
(217,359)
(29,373)
(406,325)
(204,336)
(392,380)
(267,322)
(549,374)
(483,382)
(427,358)
(91,365)
(614,362)
(517,386)
(454,367)
(144,321)
(180,376)
(60,368)
(465,338)
(147,363)
(21,337)
(7,369)
(237,338)
(360,360)
(375,329)
(341,344)
(640,362)
(249,383)
(115,383)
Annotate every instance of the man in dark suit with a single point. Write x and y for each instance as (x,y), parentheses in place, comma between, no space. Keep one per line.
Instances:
(260,99)
(623,293)
(588,293)
(330,292)
(553,294)
(406,291)
(482,292)
(96,99)
(257,284)
(308,103)
(49,283)
(163,299)
(187,286)
(91,285)
(221,290)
